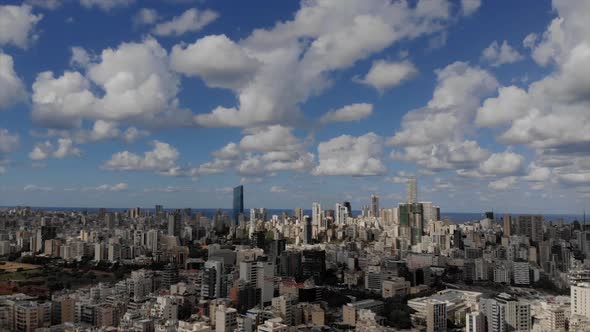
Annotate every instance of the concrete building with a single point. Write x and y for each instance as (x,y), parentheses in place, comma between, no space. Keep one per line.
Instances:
(225,319)
(436,316)
(474,322)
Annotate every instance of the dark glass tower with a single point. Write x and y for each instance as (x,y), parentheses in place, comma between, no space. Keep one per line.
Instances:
(238,203)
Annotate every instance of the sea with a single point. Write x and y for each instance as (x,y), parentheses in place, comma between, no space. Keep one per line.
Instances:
(457,217)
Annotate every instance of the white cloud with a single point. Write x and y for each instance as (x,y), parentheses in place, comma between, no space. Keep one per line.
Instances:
(498,55)
(457,95)
(162,159)
(271,138)
(12,90)
(44,150)
(134,81)
(32,187)
(503,163)
(232,68)
(348,155)
(106,5)
(8,142)
(352,112)
(41,151)
(146,16)
(298,55)
(277,189)
(229,152)
(504,183)
(384,75)
(191,20)
(510,104)
(470,6)
(17,25)
(443,156)
(116,187)
(80,57)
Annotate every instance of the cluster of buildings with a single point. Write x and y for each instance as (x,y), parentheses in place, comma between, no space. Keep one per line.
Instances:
(252,271)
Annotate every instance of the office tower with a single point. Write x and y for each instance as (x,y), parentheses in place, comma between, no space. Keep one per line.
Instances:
(474,322)
(159,211)
(507,225)
(298,213)
(226,319)
(341,214)
(436,316)
(531,226)
(307,230)
(375,206)
(170,275)
(349,208)
(412,188)
(521,272)
(174,224)
(109,220)
(316,213)
(238,207)
(313,263)
(411,221)
(290,263)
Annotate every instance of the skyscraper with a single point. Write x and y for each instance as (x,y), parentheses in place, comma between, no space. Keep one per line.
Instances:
(316,213)
(174,224)
(238,203)
(374,205)
(349,207)
(412,190)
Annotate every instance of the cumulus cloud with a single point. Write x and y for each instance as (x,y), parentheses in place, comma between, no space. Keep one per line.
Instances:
(292,71)
(444,156)
(498,55)
(146,16)
(457,95)
(8,142)
(510,104)
(503,163)
(504,183)
(229,151)
(232,68)
(115,187)
(191,20)
(162,158)
(384,75)
(106,5)
(134,81)
(33,187)
(17,25)
(352,112)
(349,155)
(64,148)
(470,6)
(277,189)
(12,90)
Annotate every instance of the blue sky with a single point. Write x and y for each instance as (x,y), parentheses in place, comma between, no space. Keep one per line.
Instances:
(123,103)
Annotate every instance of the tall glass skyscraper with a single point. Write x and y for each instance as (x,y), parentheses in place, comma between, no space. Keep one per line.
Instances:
(238,203)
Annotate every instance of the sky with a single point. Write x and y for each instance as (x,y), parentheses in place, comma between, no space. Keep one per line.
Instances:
(120,103)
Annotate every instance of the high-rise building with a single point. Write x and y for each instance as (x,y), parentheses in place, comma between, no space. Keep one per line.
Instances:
(505,313)
(507,225)
(307,230)
(298,214)
(316,213)
(340,214)
(474,322)
(580,299)
(412,188)
(374,206)
(349,208)
(238,207)
(159,211)
(174,224)
(436,316)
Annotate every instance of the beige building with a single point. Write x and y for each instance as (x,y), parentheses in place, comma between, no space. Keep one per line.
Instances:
(436,316)
(395,286)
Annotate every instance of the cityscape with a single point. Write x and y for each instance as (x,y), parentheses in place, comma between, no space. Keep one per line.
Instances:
(294,165)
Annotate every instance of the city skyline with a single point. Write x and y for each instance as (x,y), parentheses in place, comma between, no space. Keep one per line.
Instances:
(177,103)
